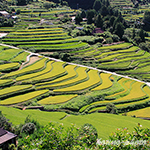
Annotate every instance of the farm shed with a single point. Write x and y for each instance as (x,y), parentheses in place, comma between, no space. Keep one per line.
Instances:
(5,14)
(97,30)
(6,138)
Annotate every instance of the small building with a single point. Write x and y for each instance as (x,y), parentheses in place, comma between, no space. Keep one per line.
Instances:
(14,17)
(80,28)
(6,138)
(5,14)
(97,30)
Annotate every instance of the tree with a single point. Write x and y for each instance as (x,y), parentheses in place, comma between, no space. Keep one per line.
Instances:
(133,33)
(104,11)
(99,21)
(97,5)
(111,20)
(110,10)
(119,29)
(107,3)
(147,17)
(142,35)
(137,39)
(47,5)
(78,18)
(21,2)
(83,14)
(117,20)
(90,15)
(63,3)
(4,22)
(65,57)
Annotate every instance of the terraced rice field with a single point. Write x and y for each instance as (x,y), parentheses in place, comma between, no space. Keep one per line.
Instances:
(59,85)
(144,113)
(44,12)
(56,99)
(123,58)
(46,39)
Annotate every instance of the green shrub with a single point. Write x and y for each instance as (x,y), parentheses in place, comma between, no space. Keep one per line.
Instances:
(18,11)
(115,38)
(110,108)
(4,123)
(109,40)
(28,128)
(89,132)
(54,136)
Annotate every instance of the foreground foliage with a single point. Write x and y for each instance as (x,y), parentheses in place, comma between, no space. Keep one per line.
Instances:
(124,140)
(56,136)
(32,135)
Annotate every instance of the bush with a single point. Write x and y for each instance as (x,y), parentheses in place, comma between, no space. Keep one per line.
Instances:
(4,123)
(125,38)
(54,136)
(109,40)
(65,19)
(28,128)
(144,46)
(55,55)
(65,57)
(89,133)
(110,108)
(87,30)
(137,39)
(107,34)
(115,38)
(18,11)
(48,5)
(91,39)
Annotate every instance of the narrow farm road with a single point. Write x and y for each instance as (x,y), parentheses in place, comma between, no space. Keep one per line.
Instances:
(36,54)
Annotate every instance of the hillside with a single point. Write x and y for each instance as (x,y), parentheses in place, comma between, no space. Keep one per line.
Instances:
(57,69)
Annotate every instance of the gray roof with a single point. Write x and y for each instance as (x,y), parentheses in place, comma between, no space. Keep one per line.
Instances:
(2,132)
(6,136)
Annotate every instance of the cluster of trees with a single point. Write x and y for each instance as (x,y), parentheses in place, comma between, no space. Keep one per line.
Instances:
(6,22)
(146,21)
(4,6)
(23,2)
(104,17)
(108,19)
(136,36)
(50,4)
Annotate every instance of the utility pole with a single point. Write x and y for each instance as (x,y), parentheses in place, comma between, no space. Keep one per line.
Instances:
(77,6)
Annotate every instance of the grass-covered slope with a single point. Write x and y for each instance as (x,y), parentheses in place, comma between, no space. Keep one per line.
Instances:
(104,123)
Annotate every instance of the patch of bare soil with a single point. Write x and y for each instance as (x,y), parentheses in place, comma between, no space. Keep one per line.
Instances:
(32,60)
